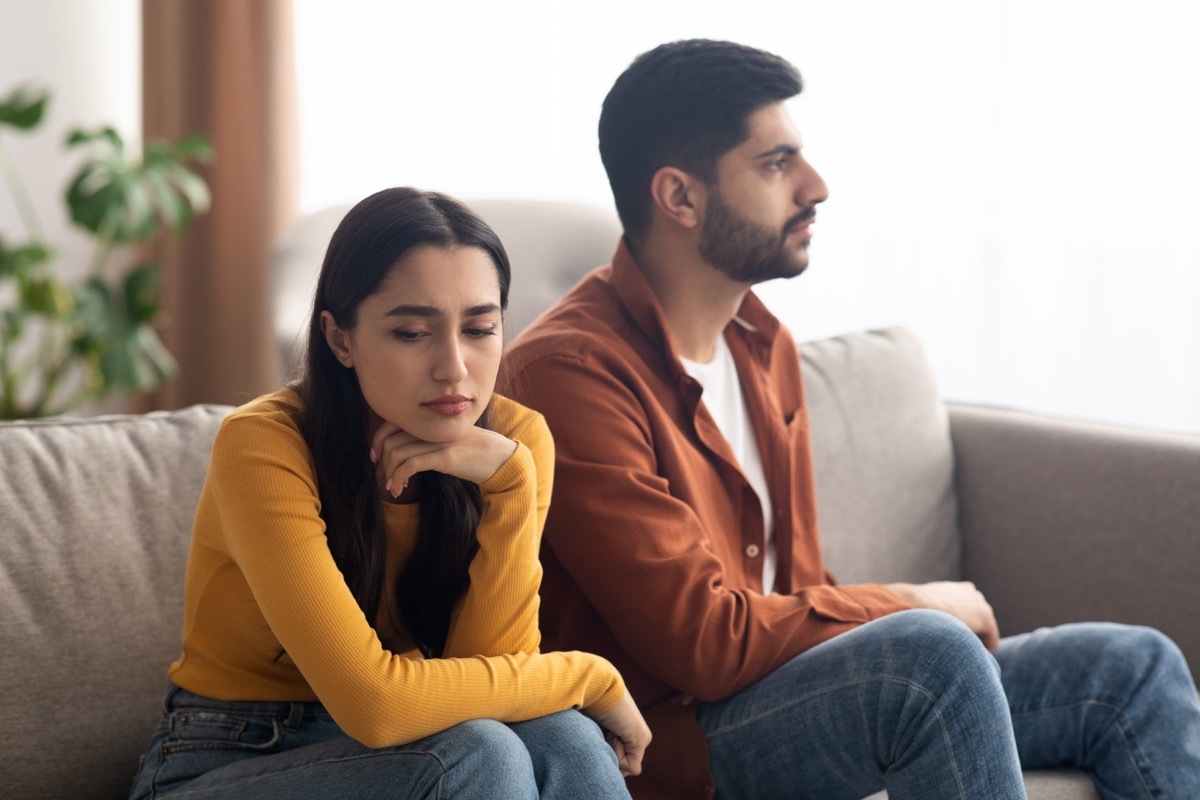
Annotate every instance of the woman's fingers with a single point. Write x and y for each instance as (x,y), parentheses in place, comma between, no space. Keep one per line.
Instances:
(475,457)
(628,734)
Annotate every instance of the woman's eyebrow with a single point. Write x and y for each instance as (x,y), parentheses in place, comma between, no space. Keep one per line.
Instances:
(431,311)
(414,311)
(480,310)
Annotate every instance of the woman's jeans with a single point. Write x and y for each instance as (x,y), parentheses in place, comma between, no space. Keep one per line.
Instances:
(913,703)
(206,748)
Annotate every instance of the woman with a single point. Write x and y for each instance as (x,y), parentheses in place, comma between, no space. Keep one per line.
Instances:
(361,591)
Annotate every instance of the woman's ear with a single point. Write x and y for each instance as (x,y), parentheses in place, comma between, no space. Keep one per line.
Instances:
(677,195)
(337,339)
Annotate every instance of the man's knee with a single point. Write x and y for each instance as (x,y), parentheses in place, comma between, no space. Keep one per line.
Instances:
(935,638)
(1134,654)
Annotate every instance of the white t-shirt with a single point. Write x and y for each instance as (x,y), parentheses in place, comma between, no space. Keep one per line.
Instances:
(725,402)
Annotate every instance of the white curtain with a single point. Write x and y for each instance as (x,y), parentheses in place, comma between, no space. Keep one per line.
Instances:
(1018,182)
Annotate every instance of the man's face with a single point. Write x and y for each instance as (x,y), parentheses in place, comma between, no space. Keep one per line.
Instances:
(759,209)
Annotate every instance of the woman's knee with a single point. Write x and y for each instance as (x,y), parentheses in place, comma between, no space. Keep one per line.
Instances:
(488,753)
(566,729)
(494,739)
(571,757)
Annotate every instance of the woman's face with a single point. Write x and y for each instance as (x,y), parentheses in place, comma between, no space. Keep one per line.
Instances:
(426,346)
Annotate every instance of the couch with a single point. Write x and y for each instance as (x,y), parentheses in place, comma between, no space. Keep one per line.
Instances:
(1055,520)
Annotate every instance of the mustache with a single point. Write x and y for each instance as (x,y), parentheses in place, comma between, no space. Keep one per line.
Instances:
(804,216)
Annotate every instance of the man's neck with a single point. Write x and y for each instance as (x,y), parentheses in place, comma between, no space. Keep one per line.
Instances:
(698,300)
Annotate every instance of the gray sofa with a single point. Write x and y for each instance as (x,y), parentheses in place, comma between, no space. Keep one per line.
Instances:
(1055,521)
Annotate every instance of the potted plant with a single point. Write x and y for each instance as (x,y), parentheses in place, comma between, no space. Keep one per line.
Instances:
(66,342)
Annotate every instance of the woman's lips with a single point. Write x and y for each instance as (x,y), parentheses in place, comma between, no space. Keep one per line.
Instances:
(449,406)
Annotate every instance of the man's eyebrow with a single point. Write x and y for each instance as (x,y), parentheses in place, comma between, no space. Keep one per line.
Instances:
(779,149)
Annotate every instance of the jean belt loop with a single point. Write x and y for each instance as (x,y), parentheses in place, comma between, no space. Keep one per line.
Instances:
(295,716)
(168,696)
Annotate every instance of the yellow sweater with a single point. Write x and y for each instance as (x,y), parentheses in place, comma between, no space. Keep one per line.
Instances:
(268,616)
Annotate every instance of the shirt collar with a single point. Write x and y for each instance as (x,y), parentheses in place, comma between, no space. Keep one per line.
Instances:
(758,326)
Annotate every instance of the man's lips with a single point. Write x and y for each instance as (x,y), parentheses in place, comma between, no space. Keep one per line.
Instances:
(450,405)
(801,224)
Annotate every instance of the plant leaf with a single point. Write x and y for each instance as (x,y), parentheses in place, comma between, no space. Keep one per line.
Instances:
(122,200)
(47,297)
(22,261)
(141,293)
(106,136)
(24,108)
(14,324)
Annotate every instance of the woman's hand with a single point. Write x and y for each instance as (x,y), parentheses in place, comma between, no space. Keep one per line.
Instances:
(475,457)
(627,733)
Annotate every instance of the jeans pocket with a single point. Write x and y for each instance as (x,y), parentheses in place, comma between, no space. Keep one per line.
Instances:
(200,729)
(192,741)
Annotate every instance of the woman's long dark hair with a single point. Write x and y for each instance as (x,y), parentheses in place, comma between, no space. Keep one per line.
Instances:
(374,235)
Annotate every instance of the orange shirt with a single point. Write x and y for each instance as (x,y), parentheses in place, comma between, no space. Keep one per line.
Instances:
(653,544)
(268,616)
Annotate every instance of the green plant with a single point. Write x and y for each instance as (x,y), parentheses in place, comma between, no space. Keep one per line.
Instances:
(66,342)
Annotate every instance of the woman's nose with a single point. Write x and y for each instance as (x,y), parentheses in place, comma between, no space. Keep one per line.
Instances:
(450,365)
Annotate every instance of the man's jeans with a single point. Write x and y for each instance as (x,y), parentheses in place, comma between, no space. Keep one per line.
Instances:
(913,703)
(206,748)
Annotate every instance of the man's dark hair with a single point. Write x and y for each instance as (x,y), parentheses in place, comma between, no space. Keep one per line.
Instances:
(683,104)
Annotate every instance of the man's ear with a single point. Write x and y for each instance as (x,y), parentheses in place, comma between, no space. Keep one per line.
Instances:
(678,195)
(337,339)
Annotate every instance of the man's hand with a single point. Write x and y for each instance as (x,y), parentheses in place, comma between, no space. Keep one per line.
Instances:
(475,457)
(627,732)
(959,599)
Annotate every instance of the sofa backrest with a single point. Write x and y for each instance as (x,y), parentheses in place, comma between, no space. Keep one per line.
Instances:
(95,519)
(550,244)
(883,459)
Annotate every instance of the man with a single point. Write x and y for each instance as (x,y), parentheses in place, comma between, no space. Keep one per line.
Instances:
(682,543)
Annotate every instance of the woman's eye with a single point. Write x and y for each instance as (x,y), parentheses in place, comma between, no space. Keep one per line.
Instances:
(480,332)
(409,336)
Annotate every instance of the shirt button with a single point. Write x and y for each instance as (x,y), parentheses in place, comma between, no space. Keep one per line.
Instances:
(686,700)
(752,550)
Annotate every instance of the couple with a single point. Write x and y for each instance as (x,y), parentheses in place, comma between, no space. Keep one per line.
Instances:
(362,593)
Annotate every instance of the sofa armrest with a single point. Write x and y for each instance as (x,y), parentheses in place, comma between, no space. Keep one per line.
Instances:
(1067,521)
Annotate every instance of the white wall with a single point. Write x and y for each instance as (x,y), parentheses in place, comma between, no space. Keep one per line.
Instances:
(1017,181)
(88,54)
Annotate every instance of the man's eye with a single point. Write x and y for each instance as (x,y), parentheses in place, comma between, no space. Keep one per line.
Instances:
(777,164)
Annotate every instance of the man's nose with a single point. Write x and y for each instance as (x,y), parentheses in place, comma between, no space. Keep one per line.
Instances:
(810,186)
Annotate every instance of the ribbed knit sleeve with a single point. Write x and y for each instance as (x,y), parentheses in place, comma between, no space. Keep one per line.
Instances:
(499,613)
(260,509)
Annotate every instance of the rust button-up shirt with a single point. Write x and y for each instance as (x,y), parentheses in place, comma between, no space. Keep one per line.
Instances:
(654,540)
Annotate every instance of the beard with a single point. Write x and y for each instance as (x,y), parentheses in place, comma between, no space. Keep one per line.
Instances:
(747,252)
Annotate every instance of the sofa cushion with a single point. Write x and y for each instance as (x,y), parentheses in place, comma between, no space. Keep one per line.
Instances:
(1050,784)
(883,460)
(95,519)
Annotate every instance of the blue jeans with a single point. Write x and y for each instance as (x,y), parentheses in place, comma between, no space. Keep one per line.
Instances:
(913,703)
(204,748)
